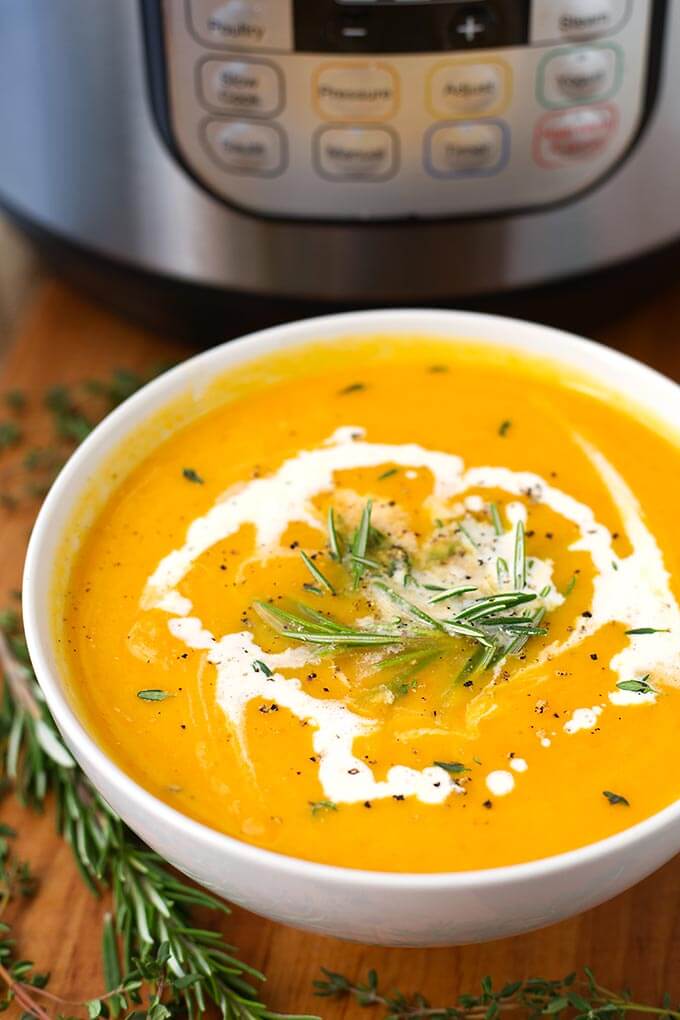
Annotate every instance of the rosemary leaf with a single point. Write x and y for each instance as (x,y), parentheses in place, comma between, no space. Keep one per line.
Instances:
(360,543)
(520,558)
(647,630)
(450,593)
(316,573)
(496,518)
(409,607)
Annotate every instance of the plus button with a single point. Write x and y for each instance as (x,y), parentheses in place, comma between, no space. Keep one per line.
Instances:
(474,25)
(470,28)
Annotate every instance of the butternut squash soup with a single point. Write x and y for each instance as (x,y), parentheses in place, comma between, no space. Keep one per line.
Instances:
(394,604)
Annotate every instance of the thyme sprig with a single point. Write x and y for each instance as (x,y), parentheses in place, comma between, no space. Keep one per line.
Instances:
(579,996)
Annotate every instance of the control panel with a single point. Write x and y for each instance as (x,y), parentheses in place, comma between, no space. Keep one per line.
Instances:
(390,109)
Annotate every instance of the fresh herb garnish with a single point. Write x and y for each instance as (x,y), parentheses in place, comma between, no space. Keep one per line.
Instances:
(490,604)
(388,474)
(637,686)
(502,570)
(449,593)
(151,948)
(10,434)
(360,543)
(316,573)
(454,767)
(317,628)
(154,695)
(414,662)
(615,798)
(466,532)
(192,476)
(504,427)
(15,400)
(319,806)
(570,586)
(70,422)
(496,518)
(532,998)
(647,630)
(520,557)
(333,537)
(261,667)
(480,660)
(355,387)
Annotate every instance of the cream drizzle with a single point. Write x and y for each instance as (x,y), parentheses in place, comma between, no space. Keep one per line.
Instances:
(583,719)
(344,777)
(628,590)
(500,782)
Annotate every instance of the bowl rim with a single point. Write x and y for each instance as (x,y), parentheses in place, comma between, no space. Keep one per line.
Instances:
(447,325)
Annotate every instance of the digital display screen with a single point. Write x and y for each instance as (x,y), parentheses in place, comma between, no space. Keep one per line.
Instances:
(408,26)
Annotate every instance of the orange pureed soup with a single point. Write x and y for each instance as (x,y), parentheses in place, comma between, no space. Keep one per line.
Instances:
(392,604)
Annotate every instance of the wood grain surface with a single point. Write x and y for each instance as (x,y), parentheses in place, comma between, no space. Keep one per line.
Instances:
(632,941)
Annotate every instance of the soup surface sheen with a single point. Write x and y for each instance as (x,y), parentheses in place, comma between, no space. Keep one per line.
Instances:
(396,604)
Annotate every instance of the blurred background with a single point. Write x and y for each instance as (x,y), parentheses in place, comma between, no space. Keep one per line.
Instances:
(206,167)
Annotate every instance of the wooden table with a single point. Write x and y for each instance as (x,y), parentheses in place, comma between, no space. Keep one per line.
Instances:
(632,941)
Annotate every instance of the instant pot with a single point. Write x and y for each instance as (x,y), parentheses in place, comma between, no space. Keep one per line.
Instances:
(343,150)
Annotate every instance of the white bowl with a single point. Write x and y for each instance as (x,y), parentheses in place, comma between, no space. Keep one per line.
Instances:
(367,906)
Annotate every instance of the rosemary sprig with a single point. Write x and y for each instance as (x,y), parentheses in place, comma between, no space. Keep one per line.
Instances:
(517,643)
(454,627)
(579,996)
(490,604)
(319,629)
(153,945)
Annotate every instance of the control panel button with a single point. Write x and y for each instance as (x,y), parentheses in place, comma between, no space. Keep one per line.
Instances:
(243,24)
(473,25)
(574,134)
(247,148)
(580,74)
(245,86)
(471,149)
(355,153)
(582,19)
(554,20)
(355,91)
(461,88)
